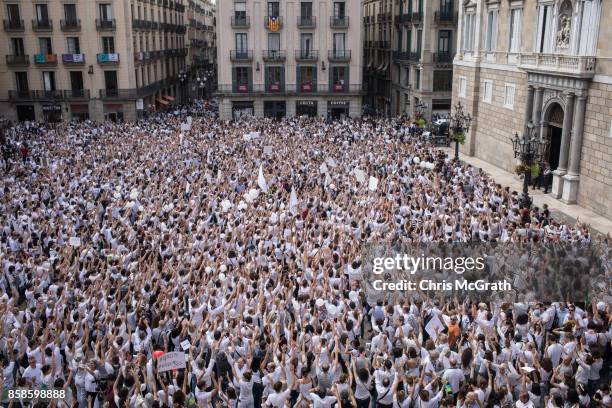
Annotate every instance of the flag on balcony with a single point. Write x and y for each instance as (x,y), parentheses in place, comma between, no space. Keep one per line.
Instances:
(273,23)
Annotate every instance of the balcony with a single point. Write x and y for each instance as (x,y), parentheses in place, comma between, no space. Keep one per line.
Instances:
(42,25)
(401,55)
(417,17)
(307,87)
(73,59)
(339,22)
(118,93)
(445,17)
(275,87)
(70,25)
(414,56)
(22,95)
(49,95)
(241,22)
(564,65)
(307,22)
(444,58)
(14,25)
(75,94)
(18,60)
(339,55)
(293,89)
(106,25)
(45,59)
(406,18)
(273,23)
(273,55)
(108,58)
(306,55)
(241,55)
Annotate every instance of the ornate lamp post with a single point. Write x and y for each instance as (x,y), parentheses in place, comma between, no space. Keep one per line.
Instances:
(530,149)
(420,108)
(183,78)
(459,124)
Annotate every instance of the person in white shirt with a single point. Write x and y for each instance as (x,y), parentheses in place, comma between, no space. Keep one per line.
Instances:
(321,399)
(33,373)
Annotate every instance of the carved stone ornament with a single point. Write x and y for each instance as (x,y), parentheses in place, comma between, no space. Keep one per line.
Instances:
(563,35)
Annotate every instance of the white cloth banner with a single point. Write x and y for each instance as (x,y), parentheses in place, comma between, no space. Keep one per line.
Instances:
(261,180)
(185,127)
(267,150)
(373,183)
(171,361)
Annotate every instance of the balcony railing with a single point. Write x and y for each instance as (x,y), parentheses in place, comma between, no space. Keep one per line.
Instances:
(14,25)
(401,55)
(106,25)
(241,22)
(307,87)
(118,93)
(339,55)
(42,25)
(417,17)
(293,89)
(76,94)
(55,94)
(339,22)
(273,55)
(18,60)
(45,59)
(22,95)
(406,18)
(443,57)
(108,58)
(567,65)
(273,23)
(306,21)
(241,55)
(445,17)
(414,56)
(306,55)
(70,25)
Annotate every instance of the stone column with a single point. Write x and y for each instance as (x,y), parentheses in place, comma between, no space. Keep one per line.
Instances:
(528,107)
(568,118)
(537,108)
(571,179)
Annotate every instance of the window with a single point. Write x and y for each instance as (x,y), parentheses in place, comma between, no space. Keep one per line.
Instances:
(446,7)
(515,30)
(407,76)
(305,45)
(339,10)
(73,45)
(442,81)
(339,79)
(49,81)
(462,87)
(108,45)
(273,8)
(469,21)
(17,45)
(70,14)
(106,12)
(487,94)
(419,40)
(545,27)
(242,44)
(509,96)
(76,80)
(491,38)
(444,41)
(240,10)
(42,13)
(409,40)
(417,84)
(273,41)
(307,78)
(274,78)
(110,80)
(242,78)
(45,45)
(21,82)
(339,41)
(306,10)
(14,17)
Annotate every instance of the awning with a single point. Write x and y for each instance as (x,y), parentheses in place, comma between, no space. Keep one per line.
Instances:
(168,98)
(163,101)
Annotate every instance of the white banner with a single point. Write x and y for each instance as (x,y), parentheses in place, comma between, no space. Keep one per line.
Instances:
(373,183)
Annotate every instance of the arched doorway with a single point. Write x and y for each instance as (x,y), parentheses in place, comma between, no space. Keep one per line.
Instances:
(554,118)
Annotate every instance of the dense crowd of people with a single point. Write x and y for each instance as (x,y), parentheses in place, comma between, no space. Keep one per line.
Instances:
(239,244)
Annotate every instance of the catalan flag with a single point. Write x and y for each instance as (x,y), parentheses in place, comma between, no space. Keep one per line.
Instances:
(273,23)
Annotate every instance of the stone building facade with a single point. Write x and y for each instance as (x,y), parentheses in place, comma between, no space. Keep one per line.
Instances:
(288,58)
(202,42)
(546,62)
(107,59)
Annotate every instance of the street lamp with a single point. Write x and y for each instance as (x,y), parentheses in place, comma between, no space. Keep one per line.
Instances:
(183,79)
(420,108)
(530,149)
(459,125)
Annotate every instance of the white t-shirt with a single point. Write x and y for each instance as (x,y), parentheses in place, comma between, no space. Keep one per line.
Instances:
(319,402)
(278,400)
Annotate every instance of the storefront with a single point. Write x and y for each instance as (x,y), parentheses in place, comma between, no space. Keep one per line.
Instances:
(275,109)
(25,113)
(242,108)
(306,108)
(52,113)
(113,112)
(338,109)
(79,112)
